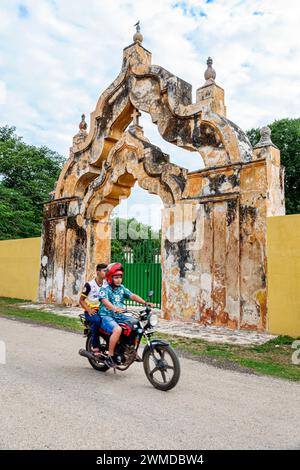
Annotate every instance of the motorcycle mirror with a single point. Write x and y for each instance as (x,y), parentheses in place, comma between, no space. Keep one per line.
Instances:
(150,293)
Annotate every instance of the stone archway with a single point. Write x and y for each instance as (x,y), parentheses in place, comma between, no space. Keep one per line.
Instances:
(214,220)
(133,159)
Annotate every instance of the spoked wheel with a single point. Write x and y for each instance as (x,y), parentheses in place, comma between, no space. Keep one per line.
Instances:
(162,368)
(95,364)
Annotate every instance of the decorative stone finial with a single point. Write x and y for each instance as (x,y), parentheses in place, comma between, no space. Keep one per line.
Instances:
(82,124)
(138,37)
(210,73)
(51,196)
(82,134)
(265,138)
(135,126)
(136,115)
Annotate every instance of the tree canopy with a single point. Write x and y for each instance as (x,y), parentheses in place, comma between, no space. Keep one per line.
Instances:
(132,234)
(27,175)
(286,136)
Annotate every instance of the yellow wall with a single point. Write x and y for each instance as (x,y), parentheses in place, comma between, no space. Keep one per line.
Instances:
(19,268)
(284,274)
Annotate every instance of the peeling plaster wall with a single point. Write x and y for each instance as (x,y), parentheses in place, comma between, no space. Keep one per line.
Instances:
(214,267)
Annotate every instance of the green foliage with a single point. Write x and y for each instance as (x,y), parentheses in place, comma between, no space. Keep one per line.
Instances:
(17,216)
(27,175)
(286,136)
(283,342)
(130,233)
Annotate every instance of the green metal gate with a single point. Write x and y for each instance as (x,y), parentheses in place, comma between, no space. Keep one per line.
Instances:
(142,266)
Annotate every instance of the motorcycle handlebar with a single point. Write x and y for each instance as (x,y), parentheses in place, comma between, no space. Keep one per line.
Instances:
(137,314)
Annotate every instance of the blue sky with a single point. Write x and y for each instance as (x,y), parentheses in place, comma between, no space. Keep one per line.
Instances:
(57,57)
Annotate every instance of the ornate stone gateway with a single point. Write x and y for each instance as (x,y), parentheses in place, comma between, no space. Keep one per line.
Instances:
(214,260)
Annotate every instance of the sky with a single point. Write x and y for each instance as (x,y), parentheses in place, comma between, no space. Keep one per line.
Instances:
(58,56)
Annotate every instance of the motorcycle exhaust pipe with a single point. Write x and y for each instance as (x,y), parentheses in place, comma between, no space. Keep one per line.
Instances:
(85,353)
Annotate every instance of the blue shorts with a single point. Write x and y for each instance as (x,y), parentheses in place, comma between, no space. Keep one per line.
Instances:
(109,323)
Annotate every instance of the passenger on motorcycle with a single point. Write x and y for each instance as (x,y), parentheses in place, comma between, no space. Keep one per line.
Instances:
(89,301)
(112,305)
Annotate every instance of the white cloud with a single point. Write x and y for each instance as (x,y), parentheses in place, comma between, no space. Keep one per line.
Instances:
(2,92)
(58,56)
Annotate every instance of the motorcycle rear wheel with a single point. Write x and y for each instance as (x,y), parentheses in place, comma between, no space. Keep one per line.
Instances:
(165,374)
(95,364)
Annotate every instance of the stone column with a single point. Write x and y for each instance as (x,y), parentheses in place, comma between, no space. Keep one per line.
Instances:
(253,213)
(53,251)
(62,251)
(275,173)
(75,259)
(180,283)
(99,245)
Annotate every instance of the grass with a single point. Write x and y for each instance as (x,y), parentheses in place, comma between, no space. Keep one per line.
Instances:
(272,358)
(9,308)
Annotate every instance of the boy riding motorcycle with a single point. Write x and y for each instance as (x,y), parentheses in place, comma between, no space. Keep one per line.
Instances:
(89,301)
(112,305)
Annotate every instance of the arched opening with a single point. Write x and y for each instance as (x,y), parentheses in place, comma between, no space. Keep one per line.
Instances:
(136,242)
(134,168)
(191,160)
(187,158)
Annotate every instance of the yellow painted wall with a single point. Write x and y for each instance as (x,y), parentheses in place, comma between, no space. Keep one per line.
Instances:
(283,244)
(19,268)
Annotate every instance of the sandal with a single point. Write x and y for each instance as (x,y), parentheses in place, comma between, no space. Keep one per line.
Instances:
(95,351)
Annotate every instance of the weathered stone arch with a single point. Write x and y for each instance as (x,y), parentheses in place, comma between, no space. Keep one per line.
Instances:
(149,166)
(201,127)
(214,220)
(130,160)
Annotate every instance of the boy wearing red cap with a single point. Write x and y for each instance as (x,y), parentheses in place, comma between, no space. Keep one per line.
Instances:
(112,304)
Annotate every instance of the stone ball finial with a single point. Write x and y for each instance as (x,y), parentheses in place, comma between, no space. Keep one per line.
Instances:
(210,73)
(138,37)
(265,132)
(82,124)
(265,138)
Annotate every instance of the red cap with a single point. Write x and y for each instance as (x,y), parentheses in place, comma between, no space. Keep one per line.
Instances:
(113,270)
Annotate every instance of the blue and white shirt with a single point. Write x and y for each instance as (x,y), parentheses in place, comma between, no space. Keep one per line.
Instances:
(116,296)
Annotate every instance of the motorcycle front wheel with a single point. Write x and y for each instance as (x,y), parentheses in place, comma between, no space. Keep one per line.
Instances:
(162,367)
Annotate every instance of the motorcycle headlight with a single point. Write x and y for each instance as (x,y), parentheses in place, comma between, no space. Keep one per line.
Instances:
(153,319)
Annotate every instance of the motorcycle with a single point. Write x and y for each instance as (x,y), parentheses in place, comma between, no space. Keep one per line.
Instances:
(161,364)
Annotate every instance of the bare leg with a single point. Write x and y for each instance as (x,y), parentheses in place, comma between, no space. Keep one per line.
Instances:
(114,339)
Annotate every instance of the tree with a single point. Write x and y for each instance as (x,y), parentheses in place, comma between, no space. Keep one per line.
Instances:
(286,136)
(129,233)
(27,175)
